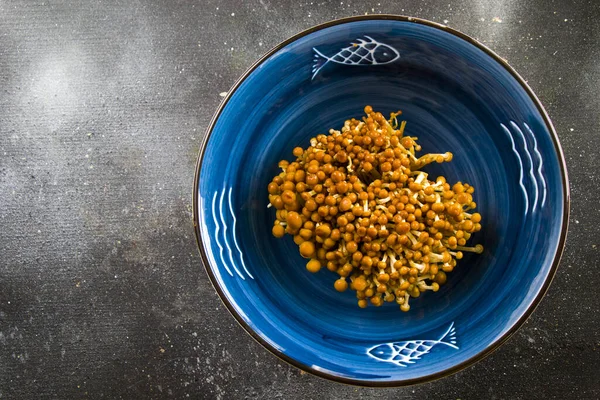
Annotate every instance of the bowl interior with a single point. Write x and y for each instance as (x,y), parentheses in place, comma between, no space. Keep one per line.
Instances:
(455,97)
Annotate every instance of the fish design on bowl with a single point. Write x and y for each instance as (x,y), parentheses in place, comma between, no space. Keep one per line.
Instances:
(365,52)
(409,351)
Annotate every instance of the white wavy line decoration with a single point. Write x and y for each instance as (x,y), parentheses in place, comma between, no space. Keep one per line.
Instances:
(220,223)
(540,165)
(514,149)
(237,246)
(214,215)
(526,150)
(237,271)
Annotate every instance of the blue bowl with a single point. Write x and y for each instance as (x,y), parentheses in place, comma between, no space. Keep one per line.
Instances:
(457,96)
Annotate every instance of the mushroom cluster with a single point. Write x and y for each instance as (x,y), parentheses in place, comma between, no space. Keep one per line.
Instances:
(356,202)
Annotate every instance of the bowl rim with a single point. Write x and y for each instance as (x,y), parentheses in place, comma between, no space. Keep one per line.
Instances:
(516,325)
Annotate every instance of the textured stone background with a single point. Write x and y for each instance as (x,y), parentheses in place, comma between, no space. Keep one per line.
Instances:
(102,108)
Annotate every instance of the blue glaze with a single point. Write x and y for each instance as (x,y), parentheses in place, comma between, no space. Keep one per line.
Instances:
(455,97)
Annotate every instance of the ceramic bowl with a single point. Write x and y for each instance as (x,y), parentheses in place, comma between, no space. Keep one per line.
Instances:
(457,96)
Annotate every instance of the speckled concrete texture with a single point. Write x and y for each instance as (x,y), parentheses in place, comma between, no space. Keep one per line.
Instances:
(103,105)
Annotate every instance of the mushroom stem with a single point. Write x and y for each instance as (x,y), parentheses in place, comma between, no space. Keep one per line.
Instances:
(476,249)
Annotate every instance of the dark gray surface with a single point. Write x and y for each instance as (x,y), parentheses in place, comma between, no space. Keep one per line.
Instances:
(102,109)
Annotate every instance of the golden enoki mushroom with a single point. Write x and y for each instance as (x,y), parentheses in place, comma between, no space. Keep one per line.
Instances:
(357,203)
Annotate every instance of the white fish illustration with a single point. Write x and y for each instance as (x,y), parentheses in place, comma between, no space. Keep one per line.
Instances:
(365,52)
(407,352)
